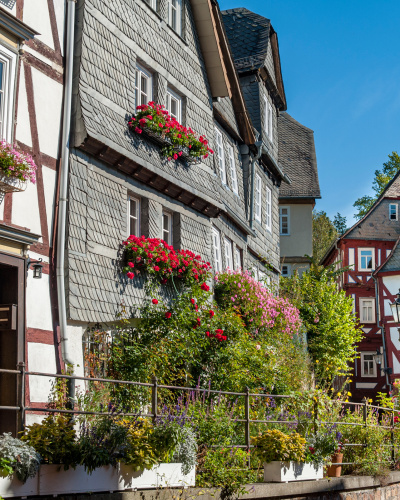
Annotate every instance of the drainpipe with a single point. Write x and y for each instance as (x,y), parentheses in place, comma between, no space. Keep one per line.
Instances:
(253,162)
(62,206)
(385,361)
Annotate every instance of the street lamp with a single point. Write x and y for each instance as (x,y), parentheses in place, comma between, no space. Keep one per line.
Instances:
(378,357)
(395,307)
(37,267)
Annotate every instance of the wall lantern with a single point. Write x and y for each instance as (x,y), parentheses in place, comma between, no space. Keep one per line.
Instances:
(37,267)
(378,358)
(395,307)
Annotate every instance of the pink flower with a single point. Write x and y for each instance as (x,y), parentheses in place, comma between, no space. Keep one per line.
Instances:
(156,268)
(258,347)
(130,275)
(131,264)
(138,130)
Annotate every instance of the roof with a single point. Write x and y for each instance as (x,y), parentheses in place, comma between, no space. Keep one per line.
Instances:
(248,35)
(297,159)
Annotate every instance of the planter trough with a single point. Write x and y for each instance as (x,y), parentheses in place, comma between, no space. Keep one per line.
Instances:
(54,480)
(282,472)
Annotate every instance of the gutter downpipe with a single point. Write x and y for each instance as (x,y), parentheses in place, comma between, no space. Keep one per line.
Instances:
(385,362)
(62,207)
(258,144)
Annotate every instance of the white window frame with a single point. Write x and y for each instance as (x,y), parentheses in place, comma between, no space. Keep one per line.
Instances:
(288,268)
(268,120)
(361,304)
(167,229)
(396,207)
(220,155)
(255,272)
(238,258)
(268,209)
(137,217)
(173,96)
(228,253)
(281,215)
(217,249)
(151,3)
(360,256)
(231,160)
(9,59)
(139,73)
(258,197)
(374,368)
(177,8)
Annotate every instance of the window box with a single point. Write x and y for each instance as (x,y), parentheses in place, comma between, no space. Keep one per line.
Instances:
(54,480)
(162,141)
(281,472)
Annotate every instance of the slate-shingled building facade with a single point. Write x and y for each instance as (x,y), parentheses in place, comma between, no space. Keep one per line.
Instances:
(224,207)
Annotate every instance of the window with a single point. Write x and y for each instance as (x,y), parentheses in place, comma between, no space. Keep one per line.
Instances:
(367,310)
(268,119)
(167,227)
(232,167)
(286,270)
(228,253)
(221,155)
(261,276)
(258,198)
(152,3)
(254,272)
(217,250)
(284,220)
(393,210)
(133,216)
(238,258)
(174,105)
(7,84)
(143,86)
(268,223)
(366,259)
(368,365)
(175,15)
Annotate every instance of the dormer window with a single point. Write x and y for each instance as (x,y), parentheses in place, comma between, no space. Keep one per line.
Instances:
(393,211)
(175,15)
(174,105)
(268,121)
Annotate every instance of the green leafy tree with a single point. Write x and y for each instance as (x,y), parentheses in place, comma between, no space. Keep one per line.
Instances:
(340,223)
(324,234)
(327,315)
(381,180)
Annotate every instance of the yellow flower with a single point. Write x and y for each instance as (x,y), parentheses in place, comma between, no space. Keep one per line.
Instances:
(350,381)
(317,361)
(349,393)
(369,400)
(338,394)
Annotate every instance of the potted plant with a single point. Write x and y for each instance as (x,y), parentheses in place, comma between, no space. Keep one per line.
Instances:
(284,457)
(16,168)
(325,446)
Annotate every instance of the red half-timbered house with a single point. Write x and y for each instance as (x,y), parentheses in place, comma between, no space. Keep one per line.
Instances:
(369,249)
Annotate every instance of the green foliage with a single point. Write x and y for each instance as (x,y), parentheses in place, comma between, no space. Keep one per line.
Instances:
(274,445)
(381,180)
(340,223)
(186,450)
(226,468)
(23,458)
(6,467)
(324,234)
(55,439)
(328,318)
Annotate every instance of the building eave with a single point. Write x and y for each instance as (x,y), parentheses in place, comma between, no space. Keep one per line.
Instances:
(18,235)
(15,26)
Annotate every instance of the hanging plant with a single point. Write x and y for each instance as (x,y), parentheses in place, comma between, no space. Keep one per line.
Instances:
(161,261)
(16,168)
(179,140)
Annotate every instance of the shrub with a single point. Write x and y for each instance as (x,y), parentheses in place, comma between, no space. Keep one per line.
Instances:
(23,458)
(274,445)
(186,450)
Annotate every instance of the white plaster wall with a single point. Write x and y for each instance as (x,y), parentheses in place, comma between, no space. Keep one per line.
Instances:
(351,257)
(48,103)
(392,283)
(74,335)
(49,181)
(23,132)
(9,5)
(41,358)
(38,310)
(36,15)
(25,210)
(60,10)
(31,418)
(299,242)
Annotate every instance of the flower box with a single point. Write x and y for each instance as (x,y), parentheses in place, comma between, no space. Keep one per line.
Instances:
(54,480)
(282,472)
(162,141)
(11,184)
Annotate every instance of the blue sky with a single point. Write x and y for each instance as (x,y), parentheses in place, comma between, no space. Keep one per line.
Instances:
(341,70)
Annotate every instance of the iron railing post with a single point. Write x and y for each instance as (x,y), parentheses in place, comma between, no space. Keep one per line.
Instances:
(71,396)
(154,398)
(392,436)
(247,422)
(21,395)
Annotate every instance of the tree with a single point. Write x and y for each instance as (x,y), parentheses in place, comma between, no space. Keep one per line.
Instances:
(324,234)
(340,223)
(328,318)
(381,180)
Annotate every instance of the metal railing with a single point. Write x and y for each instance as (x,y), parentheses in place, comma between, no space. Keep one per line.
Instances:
(21,374)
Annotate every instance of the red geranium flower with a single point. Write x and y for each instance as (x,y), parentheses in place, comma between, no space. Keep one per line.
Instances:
(156,268)
(168,314)
(211,313)
(155,301)
(205,287)
(131,264)
(130,275)
(193,301)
